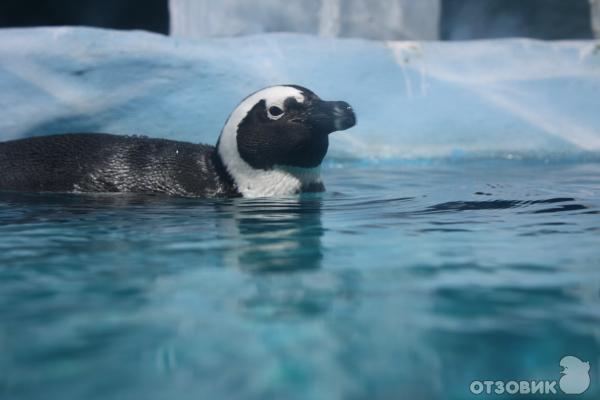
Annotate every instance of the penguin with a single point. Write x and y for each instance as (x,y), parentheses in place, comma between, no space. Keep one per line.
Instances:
(272,144)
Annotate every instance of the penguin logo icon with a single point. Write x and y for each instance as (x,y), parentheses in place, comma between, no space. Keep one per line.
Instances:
(576,375)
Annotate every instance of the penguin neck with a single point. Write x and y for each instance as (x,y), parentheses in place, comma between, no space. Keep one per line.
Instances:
(223,176)
(254,182)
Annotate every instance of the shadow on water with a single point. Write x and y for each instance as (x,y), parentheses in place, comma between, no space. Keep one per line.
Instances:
(114,248)
(261,235)
(506,204)
(542,206)
(276,236)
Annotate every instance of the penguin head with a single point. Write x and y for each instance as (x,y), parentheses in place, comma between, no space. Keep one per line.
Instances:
(275,139)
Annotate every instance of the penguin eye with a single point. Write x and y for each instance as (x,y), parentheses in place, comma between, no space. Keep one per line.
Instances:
(275,112)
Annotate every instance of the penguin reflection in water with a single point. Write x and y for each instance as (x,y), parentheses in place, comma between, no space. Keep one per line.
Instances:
(271,145)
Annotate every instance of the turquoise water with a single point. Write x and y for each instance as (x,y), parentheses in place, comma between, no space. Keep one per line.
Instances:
(401,281)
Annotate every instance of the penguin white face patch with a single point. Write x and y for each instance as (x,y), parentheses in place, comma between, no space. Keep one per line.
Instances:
(274,141)
(275,98)
(253,182)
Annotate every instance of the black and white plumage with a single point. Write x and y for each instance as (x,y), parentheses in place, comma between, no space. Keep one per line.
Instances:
(271,145)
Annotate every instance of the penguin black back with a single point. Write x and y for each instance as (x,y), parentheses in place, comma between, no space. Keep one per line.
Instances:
(111,163)
(271,145)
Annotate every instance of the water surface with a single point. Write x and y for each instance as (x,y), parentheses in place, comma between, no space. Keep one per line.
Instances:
(401,281)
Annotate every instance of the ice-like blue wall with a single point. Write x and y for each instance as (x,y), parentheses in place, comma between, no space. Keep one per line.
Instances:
(508,98)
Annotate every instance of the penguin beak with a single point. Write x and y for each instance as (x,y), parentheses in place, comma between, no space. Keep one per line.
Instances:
(332,116)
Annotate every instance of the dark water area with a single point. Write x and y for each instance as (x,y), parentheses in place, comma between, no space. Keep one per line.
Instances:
(400,281)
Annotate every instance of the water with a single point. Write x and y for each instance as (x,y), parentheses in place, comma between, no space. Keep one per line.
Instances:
(403,280)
